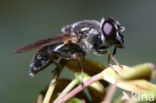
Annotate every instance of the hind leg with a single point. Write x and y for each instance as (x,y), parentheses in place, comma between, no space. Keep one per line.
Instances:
(77,58)
(58,69)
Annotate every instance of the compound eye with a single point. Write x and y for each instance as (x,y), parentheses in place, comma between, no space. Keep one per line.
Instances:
(109,30)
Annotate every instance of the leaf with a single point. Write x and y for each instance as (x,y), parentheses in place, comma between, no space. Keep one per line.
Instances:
(135,86)
(89,66)
(141,71)
(148,96)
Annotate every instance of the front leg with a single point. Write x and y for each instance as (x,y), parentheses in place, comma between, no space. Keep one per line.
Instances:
(113,54)
(101,50)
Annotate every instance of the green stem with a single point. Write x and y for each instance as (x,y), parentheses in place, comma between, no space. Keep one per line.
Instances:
(67,89)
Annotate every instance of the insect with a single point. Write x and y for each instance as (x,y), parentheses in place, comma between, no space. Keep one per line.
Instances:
(75,42)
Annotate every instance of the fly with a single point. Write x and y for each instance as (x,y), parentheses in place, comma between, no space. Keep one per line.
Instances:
(76,41)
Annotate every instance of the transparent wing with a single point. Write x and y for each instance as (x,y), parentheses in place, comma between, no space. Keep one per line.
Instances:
(44,42)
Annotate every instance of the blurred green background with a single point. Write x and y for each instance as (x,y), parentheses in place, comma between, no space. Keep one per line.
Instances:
(22,22)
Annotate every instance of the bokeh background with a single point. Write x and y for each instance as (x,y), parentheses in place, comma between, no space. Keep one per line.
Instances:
(22,22)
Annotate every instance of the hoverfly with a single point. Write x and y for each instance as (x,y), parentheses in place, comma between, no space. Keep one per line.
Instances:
(76,41)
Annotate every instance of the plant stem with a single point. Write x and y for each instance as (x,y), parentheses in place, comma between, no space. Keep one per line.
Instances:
(81,87)
(67,89)
(49,92)
(110,94)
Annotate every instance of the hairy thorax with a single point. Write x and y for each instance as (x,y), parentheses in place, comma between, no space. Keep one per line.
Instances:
(85,31)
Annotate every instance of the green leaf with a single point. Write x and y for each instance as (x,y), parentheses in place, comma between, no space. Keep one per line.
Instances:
(147,97)
(136,86)
(141,71)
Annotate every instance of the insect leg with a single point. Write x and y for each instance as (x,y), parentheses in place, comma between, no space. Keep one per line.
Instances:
(114,51)
(109,56)
(59,66)
(103,52)
(58,69)
(113,58)
(80,65)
